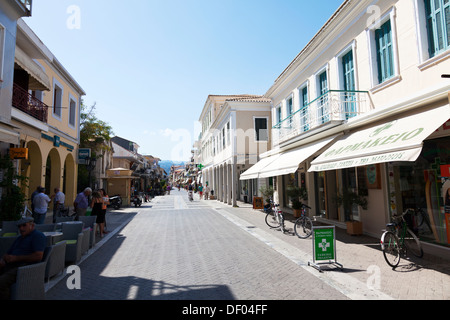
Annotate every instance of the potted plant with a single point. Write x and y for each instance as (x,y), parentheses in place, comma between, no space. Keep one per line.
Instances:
(296,195)
(349,199)
(267,193)
(12,202)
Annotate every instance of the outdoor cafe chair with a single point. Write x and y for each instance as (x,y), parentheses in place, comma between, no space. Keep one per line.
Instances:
(9,227)
(6,243)
(56,260)
(45,227)
(29,282)
(64,219)
(91,223)
(73,234)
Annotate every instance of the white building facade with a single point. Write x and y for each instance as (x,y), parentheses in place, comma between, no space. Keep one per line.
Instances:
(364,108)
(235,131)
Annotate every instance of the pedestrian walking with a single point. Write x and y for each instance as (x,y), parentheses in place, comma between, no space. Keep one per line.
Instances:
(104,207)
(81,203)
(200,191)
(97,210)
(207,191)
(41,201)
(59,198)
(32,204)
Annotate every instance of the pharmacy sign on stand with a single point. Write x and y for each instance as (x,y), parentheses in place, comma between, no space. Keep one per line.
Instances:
(324,246)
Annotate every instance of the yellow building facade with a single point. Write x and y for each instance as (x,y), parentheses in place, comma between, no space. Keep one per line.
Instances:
(46,111)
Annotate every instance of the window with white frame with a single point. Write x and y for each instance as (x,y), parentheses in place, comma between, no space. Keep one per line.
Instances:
(289,109)
(57,99)
(278,114)
(347,81)
(322,89)
(228,133)
(261,129)
(2,49)
(437,14)
(304,114)
(382,39)
(72,111)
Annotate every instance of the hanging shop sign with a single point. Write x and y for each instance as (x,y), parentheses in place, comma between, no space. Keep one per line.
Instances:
(19,153)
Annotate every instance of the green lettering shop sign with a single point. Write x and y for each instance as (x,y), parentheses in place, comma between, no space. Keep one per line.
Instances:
(324,246)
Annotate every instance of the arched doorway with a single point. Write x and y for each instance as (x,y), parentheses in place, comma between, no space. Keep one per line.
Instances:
(32,168)
(53,172)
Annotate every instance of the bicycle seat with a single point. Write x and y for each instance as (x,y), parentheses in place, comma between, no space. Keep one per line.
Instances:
(391,225)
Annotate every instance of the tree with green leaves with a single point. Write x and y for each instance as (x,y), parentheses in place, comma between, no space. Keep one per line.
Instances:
(95,134)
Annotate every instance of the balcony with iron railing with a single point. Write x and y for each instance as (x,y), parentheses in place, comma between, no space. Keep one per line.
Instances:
(26,5)
(29,104)
(333,107)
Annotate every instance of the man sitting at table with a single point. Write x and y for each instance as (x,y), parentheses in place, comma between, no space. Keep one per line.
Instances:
(27,249)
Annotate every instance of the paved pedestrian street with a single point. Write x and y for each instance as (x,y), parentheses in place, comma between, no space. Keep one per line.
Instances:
(180,250)
(173,249)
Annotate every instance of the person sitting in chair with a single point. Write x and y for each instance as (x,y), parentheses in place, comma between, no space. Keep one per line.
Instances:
(27,249)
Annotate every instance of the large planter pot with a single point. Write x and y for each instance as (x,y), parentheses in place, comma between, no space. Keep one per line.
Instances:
(354,228)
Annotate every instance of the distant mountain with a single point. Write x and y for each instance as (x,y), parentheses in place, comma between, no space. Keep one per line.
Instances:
(167,164)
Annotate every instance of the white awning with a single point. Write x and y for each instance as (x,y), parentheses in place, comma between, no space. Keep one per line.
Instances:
(8,136)
(253,172)
(39,80)
(398,140)
(288,162)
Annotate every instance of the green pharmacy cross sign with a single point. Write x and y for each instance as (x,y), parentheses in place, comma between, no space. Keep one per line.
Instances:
(324,246)
(200,166)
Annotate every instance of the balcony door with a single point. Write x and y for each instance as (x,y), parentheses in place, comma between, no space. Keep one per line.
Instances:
(323,105)
(349,98)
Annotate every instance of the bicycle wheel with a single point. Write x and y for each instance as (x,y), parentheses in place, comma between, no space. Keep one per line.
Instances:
(303,227)
(281,217)
(412,244)
(271,220)
(391,251)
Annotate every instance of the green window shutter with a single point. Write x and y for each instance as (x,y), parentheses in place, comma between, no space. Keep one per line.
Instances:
(385,60)
(438,25)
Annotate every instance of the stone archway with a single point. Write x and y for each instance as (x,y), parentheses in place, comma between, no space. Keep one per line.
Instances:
(69,179)
(53,172)
(32,168)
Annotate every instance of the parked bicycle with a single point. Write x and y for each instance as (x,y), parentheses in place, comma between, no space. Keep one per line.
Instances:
(303,226)
(275,218)
(398,240)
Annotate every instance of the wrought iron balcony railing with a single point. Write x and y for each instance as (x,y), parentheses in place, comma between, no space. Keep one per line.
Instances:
(27,4)
(333,106)
(25,102)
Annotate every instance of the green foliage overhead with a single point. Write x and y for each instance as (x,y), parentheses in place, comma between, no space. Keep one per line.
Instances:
(93,132)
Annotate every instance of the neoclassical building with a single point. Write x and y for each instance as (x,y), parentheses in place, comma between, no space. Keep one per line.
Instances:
(46,105)
(364,108)
(234,134)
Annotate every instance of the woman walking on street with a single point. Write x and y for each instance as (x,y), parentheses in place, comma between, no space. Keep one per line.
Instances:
(97,205)
(104,207)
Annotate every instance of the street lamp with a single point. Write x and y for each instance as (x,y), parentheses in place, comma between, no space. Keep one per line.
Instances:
(90,165)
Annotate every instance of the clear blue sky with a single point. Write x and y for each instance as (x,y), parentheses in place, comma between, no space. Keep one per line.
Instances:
(149,65)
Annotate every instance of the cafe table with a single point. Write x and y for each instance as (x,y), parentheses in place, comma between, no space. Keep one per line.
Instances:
(53,237)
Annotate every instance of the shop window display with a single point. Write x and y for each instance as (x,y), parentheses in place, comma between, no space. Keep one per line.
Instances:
(424,185)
